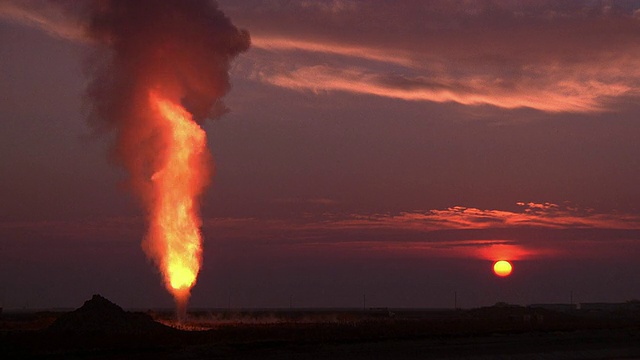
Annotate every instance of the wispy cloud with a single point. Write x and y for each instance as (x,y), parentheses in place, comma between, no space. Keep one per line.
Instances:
(312,201)
(536,229)
(278,44)
(579,57)
(49,16)
(567,95)
(113,228)
(533,230)
(540,215)
(554,57)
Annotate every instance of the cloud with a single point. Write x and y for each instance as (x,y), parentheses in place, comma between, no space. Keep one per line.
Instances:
(544,215)
(115,228)
(332,6)
(578,57)
(311,201)
(533,230)
(274,43)
(51,16)
(565,96)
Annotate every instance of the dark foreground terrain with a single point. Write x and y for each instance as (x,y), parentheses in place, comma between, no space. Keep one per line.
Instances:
(102,330)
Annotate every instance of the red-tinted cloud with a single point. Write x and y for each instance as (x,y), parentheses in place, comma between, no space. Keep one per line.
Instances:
(576,57)
(50,16)
(536,230)
(544,215)
(551,56)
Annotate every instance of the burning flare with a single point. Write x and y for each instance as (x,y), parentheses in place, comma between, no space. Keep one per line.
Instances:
(174,241)
(158,70)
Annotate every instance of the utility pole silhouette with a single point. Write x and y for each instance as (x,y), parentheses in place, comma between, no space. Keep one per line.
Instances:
(455,300)
(571,297)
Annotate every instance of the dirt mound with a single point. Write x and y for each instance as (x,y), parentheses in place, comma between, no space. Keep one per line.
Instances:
(100,315)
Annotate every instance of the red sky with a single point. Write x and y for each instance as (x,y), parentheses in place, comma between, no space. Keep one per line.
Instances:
(387,148)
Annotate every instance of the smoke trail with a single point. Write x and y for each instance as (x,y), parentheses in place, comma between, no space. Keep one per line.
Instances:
(160,69)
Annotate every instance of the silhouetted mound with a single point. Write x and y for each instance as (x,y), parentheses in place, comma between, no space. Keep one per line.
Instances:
(100,315)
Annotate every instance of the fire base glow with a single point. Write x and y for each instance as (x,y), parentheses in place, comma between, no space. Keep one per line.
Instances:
(174,241)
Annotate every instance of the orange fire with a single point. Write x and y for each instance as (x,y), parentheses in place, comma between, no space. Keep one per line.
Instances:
(174,240)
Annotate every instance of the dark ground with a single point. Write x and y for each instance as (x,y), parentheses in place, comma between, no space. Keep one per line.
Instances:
(102,330)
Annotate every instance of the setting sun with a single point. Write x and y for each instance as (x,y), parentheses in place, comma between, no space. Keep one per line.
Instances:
(502,268)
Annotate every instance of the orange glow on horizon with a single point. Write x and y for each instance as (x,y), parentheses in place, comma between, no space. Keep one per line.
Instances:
(497,252)
(174,239)
(502,268)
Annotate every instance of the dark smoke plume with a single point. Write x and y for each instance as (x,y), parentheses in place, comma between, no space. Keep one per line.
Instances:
(152,60)
(182,47)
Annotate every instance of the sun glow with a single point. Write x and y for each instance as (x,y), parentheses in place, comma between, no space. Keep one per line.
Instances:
(502,268)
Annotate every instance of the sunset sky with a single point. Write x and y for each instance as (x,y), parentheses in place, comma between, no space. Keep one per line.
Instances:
(388,148)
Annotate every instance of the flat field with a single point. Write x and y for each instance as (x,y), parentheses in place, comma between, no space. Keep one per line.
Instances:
(486,333)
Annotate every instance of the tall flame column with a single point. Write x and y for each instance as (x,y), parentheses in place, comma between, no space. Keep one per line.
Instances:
(174,241)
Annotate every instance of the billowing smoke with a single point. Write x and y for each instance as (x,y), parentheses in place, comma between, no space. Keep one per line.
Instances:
(159,70)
